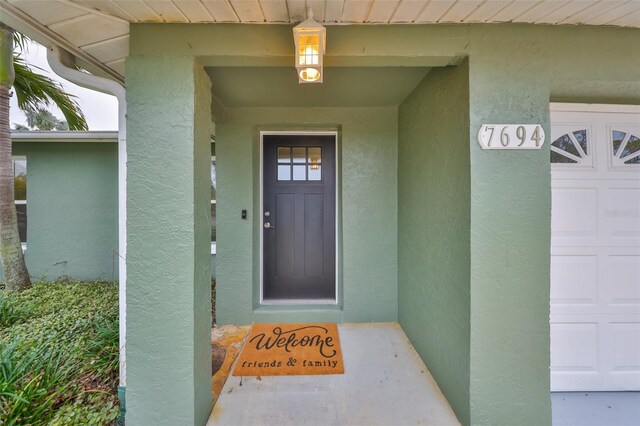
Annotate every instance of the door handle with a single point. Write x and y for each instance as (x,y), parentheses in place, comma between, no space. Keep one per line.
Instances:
(268,225)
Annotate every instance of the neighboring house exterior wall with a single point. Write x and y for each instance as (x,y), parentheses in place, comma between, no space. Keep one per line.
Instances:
(72,209)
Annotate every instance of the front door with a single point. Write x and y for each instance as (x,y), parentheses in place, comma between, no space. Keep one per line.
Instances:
(299,217)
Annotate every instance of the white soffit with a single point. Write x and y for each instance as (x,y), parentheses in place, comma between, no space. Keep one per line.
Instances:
(98,30)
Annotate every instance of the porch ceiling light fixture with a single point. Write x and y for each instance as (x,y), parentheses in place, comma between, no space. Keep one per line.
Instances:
(310,39)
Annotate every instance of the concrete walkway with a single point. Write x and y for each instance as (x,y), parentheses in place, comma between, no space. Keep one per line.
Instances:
(596,408)
(385,383)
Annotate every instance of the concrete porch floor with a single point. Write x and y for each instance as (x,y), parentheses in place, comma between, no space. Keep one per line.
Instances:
(385,383)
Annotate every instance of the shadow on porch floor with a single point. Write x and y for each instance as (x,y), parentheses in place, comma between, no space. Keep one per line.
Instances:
(385,382)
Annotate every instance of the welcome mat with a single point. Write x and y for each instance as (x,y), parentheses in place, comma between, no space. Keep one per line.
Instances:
(290,350)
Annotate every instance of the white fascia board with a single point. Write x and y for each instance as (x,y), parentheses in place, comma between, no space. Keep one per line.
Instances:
(573,107)
(69,137)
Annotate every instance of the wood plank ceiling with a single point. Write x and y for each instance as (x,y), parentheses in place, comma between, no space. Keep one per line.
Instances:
(100,28)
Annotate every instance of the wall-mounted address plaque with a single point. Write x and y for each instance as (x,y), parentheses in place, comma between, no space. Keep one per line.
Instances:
(511,136)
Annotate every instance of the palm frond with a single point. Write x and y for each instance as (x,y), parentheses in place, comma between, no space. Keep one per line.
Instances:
(20,43)
(34,91)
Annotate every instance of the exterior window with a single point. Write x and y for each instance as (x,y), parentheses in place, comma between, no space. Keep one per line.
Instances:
(213,205)
(626,148)
(20,189)
(299,163)
(572,148)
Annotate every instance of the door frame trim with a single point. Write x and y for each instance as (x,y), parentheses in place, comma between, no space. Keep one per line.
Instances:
(329,302)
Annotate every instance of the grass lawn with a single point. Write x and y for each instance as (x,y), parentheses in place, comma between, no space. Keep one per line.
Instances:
(59,354)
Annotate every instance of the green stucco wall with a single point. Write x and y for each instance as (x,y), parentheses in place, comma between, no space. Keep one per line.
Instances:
(510,231)
(72,209)
(434,227)
(367,219)
(583,63)
(168,241)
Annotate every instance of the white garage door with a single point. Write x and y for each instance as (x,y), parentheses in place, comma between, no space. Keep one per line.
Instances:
(595,248)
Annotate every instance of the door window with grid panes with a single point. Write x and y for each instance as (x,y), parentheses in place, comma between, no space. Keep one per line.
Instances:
(299,163)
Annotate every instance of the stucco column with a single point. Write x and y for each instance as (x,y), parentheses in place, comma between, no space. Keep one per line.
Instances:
(168,241)
(510,235)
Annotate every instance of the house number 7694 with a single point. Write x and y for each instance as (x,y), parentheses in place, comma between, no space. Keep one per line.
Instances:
(511,136)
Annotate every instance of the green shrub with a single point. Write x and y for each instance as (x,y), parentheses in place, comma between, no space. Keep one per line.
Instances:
(88,409)
(31,383)
(59,354)
(104,349)
(9,312)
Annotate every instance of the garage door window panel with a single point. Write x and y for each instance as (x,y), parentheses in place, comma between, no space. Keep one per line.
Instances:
(572,148)
(625,147)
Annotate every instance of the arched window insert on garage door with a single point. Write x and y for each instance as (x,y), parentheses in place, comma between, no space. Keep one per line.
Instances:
(572,148)
(626,148)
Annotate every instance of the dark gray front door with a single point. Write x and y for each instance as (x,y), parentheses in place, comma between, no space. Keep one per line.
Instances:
(298,217)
